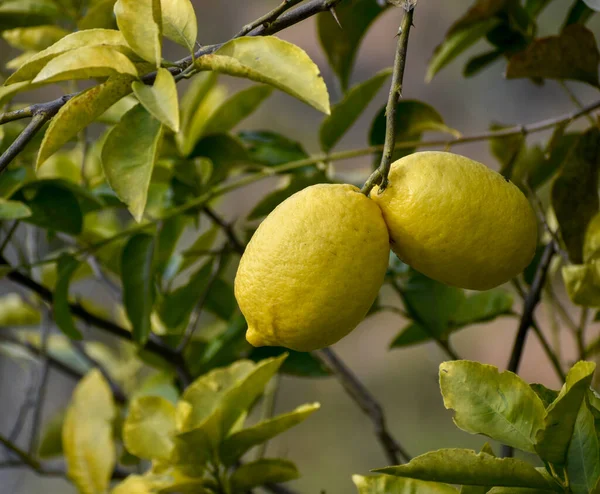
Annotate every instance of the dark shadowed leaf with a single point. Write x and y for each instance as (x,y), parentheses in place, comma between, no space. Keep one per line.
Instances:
(575,193)
(571,55)
(224,150)
(480,62)
(579,13)
(263,471)
(466,467)
(221,300)
(546,395)
(62,312)
(100,14)
(341,45)
(346,112)
(553,441)
(271,149)
(499,405)
(301,364)
(583,457)
(137,276)
(19,13)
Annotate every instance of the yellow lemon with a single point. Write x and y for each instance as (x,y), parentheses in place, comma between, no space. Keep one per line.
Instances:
(457,221)
(313,268)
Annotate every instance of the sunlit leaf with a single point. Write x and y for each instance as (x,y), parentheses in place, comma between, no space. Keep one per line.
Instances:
(236,109)
(93,37)
(81,111)
(86,63)
(497,404)
(466,467)
(160,99)
(138,290)
(344,114)
(62,312)
(341,45)
(387,484)
(148,428)
(140,21)
(583,457)
(179,22)
(571,55)
(263,471)
(128,158)
(13,210)
(87,435)
(238,443)
(271,61)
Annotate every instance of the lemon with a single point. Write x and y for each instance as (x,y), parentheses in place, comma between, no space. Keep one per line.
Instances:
(313,268)
(456,221)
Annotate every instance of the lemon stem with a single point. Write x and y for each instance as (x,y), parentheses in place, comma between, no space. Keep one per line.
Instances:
(380,176)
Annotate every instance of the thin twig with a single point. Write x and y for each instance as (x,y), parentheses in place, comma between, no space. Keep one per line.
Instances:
(37,122)
(531,301)
(575,100)
(9,235)
(268,17)
(236,243)
(366,401)
(11,116)
(380,176)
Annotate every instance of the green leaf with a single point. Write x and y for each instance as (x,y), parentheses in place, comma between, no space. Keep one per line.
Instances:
(138,289)
(221,300)
(93,37)
(591,243)
(88,62)
(552,442)
(480,62)
(34,38)
(456,42)
(575,194)
(14,311)
(235,109)
(81,111)
(128,158)
(499,405)
(13,210)
(341,45)
(271,61)
(87,435)
(100,14)
(51,442)
(161,99)
(386,484)
(518,490)
(179,22)
(582,282)
(571,55)
(159,384)
(466,467)
(579,13)
(413,118)
(482,307)
(479,489)
(583,457)
(53,206)
(168,237)
(148,428)
(239,442)
(546,395)
(299,364)
(177,306)
(271,149)
(140,21)
(294,183)
(18,13)
(344,114)
(263,471)
(66,267)
(12,180)
(224,150)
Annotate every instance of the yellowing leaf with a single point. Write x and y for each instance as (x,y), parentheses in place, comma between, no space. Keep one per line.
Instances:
(92,37)
(160,99)
(179,22)
(81,111)
(386,484)
(86,63)
(14,311)
(272,61)
(34,38)
(128,157)
(149,427)
(141,24)
(88,437)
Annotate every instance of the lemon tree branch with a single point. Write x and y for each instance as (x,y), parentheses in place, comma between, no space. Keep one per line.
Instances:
(380,176)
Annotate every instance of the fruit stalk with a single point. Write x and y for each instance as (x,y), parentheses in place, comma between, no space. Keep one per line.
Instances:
(379,176)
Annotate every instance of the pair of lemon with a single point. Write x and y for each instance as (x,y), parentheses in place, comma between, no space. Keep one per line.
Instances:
(315,265)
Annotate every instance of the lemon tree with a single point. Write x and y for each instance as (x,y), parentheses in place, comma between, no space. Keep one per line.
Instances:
(176,236)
